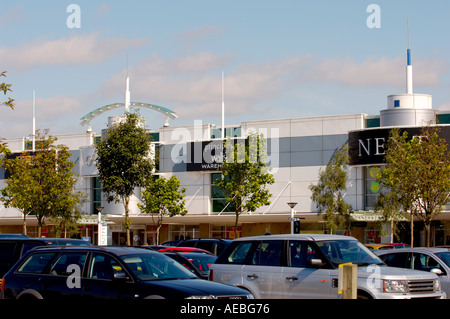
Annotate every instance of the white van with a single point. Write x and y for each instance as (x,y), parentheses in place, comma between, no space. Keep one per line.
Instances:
(306,266)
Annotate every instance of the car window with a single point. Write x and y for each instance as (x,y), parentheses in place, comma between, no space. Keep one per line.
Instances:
(300,254)
(206,245)
(103,267)
(7,252)
(36,263)
(400,260)
(156,267)
(239,253)
(425,262)
(268,253)
(445,257)
(30,245)
(64,263)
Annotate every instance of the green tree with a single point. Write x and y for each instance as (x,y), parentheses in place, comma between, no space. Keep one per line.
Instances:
(418,170)
(163,197)
(245,176)
(124,162)
(42,183)
(328,194)
(6,88)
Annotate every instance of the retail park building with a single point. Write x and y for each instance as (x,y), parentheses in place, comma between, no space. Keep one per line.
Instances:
(297,149)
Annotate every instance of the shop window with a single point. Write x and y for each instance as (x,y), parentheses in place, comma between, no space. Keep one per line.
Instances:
(96,195)
(218,202)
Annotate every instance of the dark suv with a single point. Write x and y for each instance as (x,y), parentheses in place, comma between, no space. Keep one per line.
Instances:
(14,246)
(214,245)
(85,273)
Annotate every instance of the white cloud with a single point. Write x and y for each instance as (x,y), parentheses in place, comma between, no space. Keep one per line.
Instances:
(75,50)
(376,72)
(49,112)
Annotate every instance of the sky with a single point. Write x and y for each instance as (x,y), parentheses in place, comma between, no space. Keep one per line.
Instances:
(280,59)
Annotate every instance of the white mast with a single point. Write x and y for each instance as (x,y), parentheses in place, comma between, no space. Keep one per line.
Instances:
(34,124)
(127,91)
(223,110)
(409,71)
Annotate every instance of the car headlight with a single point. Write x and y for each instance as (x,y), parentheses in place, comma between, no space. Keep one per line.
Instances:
(200,297)
(395,286)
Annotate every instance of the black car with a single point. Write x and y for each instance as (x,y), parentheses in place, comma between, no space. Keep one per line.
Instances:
(14,246)
(86,273)
(214,245)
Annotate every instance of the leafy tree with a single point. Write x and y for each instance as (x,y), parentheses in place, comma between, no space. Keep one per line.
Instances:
(328,193)
(245,176)
(42,183)
(124,162)
(6,88)
(418,171)
(163,197)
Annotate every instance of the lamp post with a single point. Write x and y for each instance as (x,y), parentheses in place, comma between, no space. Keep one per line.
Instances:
(292,205)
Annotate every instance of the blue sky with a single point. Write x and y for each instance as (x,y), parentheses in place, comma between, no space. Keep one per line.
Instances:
(281,59)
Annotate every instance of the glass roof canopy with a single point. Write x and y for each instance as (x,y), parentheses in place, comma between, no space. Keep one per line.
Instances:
(88,117)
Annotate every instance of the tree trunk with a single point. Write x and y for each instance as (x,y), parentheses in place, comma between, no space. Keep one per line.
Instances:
(236,225)
(127,222)
(427,225)
(157,233)
(412,230)
(24,223)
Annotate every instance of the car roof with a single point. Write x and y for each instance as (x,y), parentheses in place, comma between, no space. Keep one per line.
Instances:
(414,249)
(308,237)
(117,250)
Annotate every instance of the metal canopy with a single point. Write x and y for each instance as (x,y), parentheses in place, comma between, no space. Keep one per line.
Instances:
(88,117)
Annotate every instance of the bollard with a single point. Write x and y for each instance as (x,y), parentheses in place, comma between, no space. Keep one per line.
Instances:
(348,278)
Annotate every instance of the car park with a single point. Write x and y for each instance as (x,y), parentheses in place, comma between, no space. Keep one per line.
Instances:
(434,259)
(307,266)
(214,245)
(86,273)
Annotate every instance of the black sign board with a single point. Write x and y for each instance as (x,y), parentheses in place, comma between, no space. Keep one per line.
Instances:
(367,147)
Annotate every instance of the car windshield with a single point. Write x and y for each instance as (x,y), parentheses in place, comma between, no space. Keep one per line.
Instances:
(348,251)
(156,267)
(445,257)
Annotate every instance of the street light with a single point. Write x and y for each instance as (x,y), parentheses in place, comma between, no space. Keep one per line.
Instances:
(292,205)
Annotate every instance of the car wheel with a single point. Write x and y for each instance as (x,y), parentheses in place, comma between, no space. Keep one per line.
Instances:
(363,295)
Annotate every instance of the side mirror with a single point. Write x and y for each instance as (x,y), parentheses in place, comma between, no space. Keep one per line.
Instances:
(436,271)
(317,263)
(121,276)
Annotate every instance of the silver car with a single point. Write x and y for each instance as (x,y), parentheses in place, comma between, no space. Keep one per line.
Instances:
(436,260)
(306,266)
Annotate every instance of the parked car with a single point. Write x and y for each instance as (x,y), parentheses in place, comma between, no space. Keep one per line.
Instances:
(13,247)
(171,243)
(436,260)
(306,266)
(379,246)
(198,264)
(86,273)
(214,245)
(187,250)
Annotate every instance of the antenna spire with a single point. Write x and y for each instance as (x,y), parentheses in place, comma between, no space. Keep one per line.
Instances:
(409,73)
(127,91)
